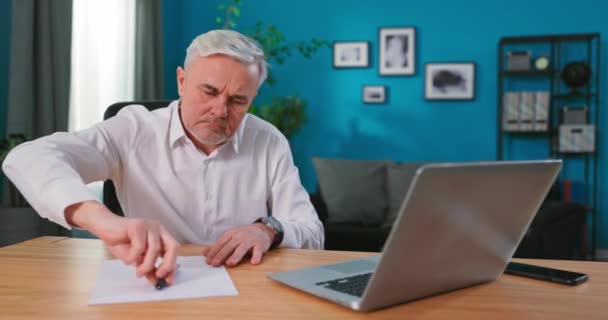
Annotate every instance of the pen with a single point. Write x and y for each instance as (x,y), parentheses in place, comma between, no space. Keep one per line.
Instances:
(161,283)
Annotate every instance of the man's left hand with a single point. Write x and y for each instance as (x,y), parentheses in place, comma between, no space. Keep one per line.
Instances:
(235,243)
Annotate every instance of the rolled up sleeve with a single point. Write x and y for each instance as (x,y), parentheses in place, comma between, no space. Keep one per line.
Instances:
(290,204)
(52,172)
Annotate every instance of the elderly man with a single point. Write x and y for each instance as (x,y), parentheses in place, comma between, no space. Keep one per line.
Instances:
(202,170)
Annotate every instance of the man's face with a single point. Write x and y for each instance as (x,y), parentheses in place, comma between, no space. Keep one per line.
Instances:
(216,93)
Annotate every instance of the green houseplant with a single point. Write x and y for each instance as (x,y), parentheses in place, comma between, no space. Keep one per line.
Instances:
(18,220)
(287,113)
(6,145)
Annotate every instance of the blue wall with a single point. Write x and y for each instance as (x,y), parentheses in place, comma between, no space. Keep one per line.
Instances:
(408,127)
(5,27)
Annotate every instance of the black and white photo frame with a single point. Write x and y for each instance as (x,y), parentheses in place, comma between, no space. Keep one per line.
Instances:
(351,54)
(374,94)
(449,81)
(397,51)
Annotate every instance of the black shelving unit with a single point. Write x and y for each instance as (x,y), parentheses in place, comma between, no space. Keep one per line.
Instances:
(560,96)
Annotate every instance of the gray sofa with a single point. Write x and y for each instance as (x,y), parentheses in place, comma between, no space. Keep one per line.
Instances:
(358,201)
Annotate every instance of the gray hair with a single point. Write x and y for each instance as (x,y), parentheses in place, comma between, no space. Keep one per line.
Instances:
(230,43)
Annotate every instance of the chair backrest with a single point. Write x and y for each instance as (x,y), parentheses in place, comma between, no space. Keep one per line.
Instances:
(109,191)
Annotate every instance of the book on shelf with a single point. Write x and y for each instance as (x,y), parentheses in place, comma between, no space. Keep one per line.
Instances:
(541,110)
(526,111)
(511,107)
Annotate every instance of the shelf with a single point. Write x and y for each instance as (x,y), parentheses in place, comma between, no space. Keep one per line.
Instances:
(528,133)
(561,48)
(575,154)
(548,38)
(530,73)
(573,95)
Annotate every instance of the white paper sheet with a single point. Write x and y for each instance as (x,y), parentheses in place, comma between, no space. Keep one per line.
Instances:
(117,283)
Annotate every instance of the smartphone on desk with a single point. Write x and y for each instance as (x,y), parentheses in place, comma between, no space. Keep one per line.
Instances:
(544,273)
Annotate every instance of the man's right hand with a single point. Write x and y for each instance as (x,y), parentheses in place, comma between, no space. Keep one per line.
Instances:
(135,242)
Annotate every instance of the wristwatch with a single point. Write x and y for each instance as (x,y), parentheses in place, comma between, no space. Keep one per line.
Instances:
(274,225)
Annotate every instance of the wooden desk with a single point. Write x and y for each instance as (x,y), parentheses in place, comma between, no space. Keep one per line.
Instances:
(52,278)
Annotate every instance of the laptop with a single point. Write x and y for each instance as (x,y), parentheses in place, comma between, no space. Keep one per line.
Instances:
(458,226)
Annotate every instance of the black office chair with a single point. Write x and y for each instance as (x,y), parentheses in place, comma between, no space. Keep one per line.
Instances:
(109,191)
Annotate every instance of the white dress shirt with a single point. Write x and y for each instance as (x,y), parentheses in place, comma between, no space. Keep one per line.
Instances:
(159,174)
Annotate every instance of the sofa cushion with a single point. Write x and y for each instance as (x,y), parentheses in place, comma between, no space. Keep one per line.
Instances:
(353,190)
(399,178)
(355,238)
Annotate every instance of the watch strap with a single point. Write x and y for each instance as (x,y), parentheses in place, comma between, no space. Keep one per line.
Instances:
(275,225)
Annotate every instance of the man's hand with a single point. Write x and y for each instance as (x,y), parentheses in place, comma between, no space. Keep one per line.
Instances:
(135,242)
(140,242)
(234,244)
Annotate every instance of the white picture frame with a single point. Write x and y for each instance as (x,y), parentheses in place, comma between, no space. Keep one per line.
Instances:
(374,94)
(449,81)
(397,51)
(351,54)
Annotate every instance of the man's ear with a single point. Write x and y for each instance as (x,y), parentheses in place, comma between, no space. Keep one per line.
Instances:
(181,77)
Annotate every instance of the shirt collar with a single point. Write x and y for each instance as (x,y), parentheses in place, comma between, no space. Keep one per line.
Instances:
(237,139)
(177,131)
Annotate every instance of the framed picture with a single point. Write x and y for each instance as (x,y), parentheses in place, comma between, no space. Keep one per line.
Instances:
(351,54)
(374,94)
(449,81)
(397,51)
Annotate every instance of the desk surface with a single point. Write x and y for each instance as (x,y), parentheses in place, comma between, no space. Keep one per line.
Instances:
(52,278)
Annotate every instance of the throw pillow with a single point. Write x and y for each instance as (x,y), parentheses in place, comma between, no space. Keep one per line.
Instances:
(399,178)
(353,190)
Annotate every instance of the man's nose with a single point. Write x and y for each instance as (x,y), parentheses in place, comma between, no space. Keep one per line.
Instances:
(220,107)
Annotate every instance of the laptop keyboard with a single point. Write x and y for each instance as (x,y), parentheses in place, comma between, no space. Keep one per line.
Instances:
(353,285)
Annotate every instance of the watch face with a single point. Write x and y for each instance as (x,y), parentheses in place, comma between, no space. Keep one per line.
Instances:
(276,226)
(272,223)
(542,63)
